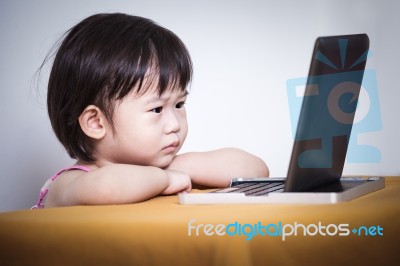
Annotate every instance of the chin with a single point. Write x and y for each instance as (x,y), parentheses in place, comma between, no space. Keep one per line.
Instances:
(164,162)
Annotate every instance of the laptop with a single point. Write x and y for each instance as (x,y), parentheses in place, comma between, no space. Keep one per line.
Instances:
(321,139)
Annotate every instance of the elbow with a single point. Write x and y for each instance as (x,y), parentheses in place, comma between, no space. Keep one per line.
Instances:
(255,166)
(264,170)
(260,168)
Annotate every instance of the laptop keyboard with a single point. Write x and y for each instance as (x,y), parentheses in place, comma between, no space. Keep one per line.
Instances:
(254,189)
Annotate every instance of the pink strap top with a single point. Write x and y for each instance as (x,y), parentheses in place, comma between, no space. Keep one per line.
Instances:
(46,186)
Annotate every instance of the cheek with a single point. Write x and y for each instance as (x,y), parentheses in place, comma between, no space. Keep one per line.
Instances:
(184,127)
(130,129)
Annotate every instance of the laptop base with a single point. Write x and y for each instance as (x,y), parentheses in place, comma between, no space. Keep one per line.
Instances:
(349,188)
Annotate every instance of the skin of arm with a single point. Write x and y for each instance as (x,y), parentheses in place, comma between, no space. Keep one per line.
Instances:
(123,183)
(217,168)
(115,184)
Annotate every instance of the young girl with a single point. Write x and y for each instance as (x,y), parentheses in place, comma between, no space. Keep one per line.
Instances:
(116,101)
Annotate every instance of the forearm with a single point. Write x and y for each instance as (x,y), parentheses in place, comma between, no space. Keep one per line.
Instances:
(110,184)
(217,168)
(122,183)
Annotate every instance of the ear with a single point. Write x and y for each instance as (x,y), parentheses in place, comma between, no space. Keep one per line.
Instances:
(93,122)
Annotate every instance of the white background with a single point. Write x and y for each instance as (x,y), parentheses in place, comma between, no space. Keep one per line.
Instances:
(243,53)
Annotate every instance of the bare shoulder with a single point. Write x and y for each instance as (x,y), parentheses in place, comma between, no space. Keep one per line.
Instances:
(69,176)
(60,184)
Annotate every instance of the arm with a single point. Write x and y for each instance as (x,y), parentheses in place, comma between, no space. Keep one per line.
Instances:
(217,168)
(115,184)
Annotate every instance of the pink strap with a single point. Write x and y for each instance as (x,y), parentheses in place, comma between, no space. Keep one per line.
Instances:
(46,186)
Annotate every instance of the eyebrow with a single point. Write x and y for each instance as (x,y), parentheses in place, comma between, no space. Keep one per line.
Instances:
(164,99)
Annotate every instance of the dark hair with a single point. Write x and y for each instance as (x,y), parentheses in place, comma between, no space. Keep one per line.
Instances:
(101,60)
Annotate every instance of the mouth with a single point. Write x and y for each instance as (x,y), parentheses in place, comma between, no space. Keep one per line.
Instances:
(172,147)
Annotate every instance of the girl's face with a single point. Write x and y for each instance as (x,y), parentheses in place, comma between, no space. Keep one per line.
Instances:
(149,130)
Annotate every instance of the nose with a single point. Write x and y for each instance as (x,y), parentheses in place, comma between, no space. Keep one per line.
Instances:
(173,123)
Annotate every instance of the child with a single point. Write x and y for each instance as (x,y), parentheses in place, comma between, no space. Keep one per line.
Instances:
(116,101)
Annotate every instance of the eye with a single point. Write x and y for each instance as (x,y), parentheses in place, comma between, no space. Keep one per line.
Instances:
(157,110)
(180,105)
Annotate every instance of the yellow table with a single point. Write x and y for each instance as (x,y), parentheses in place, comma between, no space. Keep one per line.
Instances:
(156,232)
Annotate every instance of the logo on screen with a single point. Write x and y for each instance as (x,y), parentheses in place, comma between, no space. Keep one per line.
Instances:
(337,97)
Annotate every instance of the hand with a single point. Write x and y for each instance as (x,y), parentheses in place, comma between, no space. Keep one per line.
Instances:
(178,182)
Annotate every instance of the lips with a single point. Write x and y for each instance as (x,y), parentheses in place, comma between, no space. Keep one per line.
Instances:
(172,147)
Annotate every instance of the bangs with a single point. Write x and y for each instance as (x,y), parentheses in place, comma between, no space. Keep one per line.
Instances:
(163,63)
